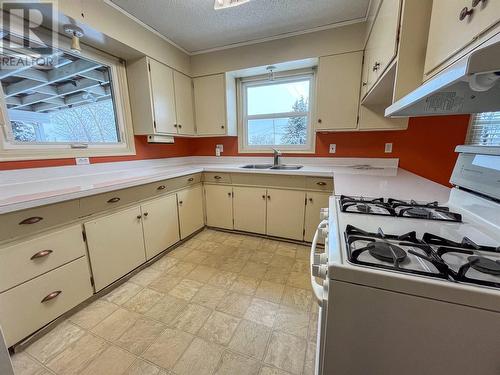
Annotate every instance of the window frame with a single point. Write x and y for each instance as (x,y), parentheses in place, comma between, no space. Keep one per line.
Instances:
(470,129)
(263,80)
(10,151)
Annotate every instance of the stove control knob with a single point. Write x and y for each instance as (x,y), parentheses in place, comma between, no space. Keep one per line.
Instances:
(320,271)
(323,214)
(324,232)
(320,258)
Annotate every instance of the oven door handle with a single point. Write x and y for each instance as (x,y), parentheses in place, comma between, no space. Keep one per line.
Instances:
(317,288)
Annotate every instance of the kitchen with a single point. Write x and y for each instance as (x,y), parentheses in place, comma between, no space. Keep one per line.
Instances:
(250,187)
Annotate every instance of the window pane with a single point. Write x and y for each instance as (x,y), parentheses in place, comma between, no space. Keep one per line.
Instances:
(68,99)
(278,131)
(278,98)
(485,129)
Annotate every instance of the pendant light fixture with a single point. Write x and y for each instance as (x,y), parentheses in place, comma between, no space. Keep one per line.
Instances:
(76,33)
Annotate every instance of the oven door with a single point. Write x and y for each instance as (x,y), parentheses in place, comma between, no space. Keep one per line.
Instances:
(319,284)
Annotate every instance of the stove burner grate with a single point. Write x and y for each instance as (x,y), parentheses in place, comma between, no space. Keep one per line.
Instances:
(418,212)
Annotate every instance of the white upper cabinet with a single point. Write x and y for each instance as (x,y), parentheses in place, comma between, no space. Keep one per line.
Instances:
(456,27)
(161,99)
(215,105)
(338,91)
(184,105)
(162,92)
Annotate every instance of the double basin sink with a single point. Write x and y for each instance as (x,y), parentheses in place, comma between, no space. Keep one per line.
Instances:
(271,166)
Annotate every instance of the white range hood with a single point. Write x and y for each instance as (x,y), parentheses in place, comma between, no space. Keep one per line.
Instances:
(470,85)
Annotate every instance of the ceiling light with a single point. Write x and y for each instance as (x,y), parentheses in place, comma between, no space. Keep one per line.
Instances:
(76,33)
(223,4)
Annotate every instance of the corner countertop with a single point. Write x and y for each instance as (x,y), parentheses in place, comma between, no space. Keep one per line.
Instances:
(28,188)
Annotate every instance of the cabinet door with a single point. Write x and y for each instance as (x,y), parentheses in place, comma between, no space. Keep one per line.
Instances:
(383,37)
(448,35)
(285,213)
(162,91)
(184,105)
(210,104)
(190,203)
(249,208)
(314,202)
(219,206)
(116,245)
(338,91)
(160,223)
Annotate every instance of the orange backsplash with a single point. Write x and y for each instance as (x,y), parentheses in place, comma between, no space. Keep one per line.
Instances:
(425,148)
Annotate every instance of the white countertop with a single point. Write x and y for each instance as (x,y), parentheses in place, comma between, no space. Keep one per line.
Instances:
(27,188)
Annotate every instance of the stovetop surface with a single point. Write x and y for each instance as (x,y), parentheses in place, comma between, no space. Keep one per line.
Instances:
(449,230)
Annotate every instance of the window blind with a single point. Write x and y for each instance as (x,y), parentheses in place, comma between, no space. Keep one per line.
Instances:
(484,129)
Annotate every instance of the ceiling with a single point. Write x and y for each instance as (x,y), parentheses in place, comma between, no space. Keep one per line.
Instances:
(195,26)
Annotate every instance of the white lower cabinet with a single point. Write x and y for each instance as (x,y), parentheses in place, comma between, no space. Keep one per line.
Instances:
(160,224)
(285,213)
(116,245)
(29,306)
(190,205)
(249,207)
(219,206)
(314,203)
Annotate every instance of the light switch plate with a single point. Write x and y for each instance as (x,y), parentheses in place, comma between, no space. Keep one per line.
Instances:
(388,148)
(333,148)
(82,161)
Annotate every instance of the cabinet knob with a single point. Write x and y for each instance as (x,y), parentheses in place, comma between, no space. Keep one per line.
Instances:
(229,194)
(139,217)
(41,254)
(146,214)
(320,121)
(222,126)
(364,83)
(269,197)
(310,200)
(263,197)
(376,66)
(50,296)
(464,13)
(175,125)
(180,202)
(31,220)
(180,126)
(113,200)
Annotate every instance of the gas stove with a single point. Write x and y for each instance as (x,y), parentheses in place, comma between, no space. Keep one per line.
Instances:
(430,255)
(399,208)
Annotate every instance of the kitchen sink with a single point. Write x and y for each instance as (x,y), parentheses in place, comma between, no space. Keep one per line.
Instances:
(257,166)
(286,167)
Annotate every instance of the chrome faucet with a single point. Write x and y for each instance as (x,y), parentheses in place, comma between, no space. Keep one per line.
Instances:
(276,155)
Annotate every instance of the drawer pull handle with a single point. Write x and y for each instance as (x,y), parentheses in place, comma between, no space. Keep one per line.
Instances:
(31,220)
(51,296)
(161,187)
(113,200)
(41,254)
(321,183)
(191,179)
(217,177)
(464,13)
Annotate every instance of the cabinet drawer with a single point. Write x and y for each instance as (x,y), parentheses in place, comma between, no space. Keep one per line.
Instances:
(184,181)
(29,306)
(26,222)
(28,259)
(157,188)
(110,200)
(320,183)
(217,177)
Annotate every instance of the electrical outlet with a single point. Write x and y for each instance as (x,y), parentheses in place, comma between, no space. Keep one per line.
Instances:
(388,148)
(220,147)
(333,148)
(82,161)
